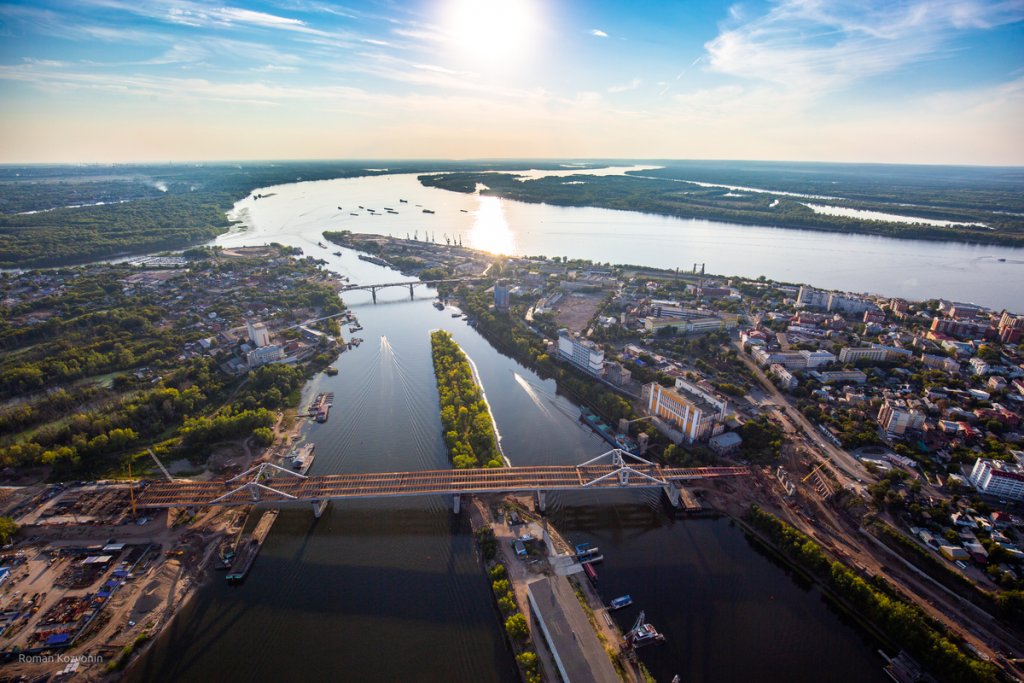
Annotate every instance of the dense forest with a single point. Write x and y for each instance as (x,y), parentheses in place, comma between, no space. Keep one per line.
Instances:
(465,417)
(993,200)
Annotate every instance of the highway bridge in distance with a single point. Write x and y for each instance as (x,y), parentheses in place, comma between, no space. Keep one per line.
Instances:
(275,486)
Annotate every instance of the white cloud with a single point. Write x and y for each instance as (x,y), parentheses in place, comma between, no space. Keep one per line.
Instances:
(625,87)
(598,32)
(823,46)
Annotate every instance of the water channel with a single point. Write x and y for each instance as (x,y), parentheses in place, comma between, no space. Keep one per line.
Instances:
(392,590)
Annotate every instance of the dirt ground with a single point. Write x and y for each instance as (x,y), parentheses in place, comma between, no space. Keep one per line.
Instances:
(576,309)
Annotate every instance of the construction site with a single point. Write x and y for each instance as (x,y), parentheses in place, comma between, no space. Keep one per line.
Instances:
(89,580)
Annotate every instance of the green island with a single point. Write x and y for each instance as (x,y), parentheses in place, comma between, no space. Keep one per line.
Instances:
(100,363)
(465,417)
(984,196)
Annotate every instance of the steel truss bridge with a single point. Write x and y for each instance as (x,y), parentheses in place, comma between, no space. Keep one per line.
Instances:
(275,486)
(415,283)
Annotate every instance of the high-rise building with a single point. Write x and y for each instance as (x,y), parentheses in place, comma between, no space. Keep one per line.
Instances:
(811,298)
(258,334)
(584,354)
(501,297)
(688,408)
(895,417)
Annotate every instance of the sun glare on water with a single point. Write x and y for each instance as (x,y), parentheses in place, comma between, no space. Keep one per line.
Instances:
(490,229)
(497,33)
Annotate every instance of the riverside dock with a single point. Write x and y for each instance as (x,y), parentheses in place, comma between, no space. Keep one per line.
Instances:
(250,546)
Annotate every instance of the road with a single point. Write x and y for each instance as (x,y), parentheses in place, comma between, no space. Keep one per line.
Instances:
(843,463)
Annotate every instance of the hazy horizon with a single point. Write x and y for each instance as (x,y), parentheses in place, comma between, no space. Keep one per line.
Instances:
(934,82)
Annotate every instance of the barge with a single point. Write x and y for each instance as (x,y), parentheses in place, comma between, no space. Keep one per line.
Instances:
(605,430)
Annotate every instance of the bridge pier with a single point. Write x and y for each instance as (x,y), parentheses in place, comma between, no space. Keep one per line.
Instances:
(673,495)
(318,507)
(542,501)
(373,293)
(411,296)
(456,504)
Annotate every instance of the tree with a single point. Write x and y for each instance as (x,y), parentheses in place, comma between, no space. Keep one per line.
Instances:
(263,436)
(8,528)
(516,628)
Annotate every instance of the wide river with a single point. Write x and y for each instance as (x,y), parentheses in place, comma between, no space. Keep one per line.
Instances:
(392,590)
(915,269)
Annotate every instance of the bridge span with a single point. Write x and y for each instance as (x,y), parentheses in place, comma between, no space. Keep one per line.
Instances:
(274,486)
(411,284)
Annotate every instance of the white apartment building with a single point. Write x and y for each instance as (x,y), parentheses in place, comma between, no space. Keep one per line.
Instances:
(584,354)
(264,355)
(258,334)
(998,478)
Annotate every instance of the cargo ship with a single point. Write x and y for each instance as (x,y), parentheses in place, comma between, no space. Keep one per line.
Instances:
(302,457)
(621,441)
(620,602)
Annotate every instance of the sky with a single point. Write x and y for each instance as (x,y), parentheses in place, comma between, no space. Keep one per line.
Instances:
(929,81)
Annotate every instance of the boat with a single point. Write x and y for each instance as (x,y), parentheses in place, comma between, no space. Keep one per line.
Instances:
(427,211)
(321,245)
(302,458)
(331,371)
(388,208)
(642,633)
(620,441)
(337,253)
(463,211)
(620,602)
(339,208)
(591,573)
(438,305)
(353,214)
(456,315)
(403,201)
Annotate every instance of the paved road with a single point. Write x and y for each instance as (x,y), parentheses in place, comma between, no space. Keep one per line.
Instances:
(844,463)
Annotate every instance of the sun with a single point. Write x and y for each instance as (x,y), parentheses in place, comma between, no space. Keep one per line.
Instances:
(495,33)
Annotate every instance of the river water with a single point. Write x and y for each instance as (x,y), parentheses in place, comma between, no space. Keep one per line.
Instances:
(392,590)
(915,269)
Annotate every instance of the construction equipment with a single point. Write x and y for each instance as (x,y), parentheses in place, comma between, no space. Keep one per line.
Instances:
(811,473)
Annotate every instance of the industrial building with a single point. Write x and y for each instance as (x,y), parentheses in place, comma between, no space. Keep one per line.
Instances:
(695,412)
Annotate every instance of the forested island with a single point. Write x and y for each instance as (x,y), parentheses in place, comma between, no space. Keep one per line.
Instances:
(984,205)
(465,416)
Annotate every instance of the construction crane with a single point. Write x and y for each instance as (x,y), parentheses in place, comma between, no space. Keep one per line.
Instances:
(131,488)
(820,465)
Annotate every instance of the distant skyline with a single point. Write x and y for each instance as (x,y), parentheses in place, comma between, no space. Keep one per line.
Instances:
(931,81)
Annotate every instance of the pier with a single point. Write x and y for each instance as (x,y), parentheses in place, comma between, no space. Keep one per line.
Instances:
(250,547)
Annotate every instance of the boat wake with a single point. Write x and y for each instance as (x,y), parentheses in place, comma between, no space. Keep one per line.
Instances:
(532,393)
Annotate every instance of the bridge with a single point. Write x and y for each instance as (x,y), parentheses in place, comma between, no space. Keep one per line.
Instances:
(415,283)
(274,486)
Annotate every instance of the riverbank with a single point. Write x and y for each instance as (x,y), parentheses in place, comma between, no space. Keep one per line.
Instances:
(547,556)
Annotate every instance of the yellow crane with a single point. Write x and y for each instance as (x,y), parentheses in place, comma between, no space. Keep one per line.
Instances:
(820,465)
(131,488)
